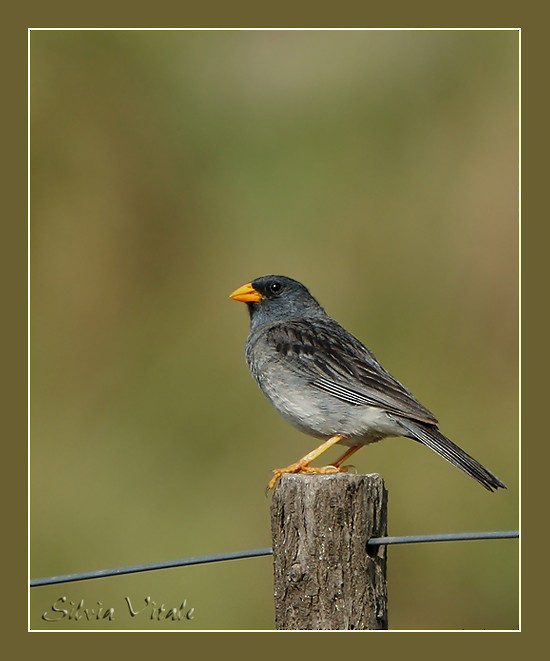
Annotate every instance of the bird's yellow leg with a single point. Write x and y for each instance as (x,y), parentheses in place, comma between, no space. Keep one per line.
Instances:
(302,466)
(352,450)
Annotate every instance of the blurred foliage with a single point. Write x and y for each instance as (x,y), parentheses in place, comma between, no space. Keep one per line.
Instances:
(170,167)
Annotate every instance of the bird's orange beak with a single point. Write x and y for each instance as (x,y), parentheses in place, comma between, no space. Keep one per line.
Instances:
(246,294)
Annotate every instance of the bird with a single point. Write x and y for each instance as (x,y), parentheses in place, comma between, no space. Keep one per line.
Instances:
(327,384)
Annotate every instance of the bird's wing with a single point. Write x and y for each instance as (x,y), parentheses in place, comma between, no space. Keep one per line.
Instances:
(336,362)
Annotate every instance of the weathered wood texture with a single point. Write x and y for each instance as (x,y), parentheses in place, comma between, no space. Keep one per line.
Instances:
(325,576)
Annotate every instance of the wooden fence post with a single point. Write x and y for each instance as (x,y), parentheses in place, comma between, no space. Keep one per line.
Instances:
(325,576)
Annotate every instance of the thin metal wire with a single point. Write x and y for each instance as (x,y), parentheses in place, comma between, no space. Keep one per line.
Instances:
(150,566)
(445,537)
(254,553)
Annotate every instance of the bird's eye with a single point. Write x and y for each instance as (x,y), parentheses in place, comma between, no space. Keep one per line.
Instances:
(275,287)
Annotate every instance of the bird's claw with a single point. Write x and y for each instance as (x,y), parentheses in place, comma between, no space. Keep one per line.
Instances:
(300,468)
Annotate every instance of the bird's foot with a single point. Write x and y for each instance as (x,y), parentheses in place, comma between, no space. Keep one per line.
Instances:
(347,469)
(303,468)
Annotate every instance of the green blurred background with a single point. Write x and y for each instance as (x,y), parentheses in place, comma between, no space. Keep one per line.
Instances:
(170,167)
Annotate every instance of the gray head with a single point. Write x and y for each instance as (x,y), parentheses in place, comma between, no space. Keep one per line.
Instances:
(276,297)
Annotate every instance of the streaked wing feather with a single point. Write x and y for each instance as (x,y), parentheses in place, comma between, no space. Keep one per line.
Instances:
(337,363)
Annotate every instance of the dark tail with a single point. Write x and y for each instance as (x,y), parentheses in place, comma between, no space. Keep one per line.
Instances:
(434,439)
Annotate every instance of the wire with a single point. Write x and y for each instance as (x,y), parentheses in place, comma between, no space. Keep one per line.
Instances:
(445,537)
(254,553)
(150,566)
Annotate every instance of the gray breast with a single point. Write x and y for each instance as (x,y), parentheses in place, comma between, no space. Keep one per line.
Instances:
(311,410)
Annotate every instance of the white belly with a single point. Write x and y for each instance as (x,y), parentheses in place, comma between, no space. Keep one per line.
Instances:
(322,415)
